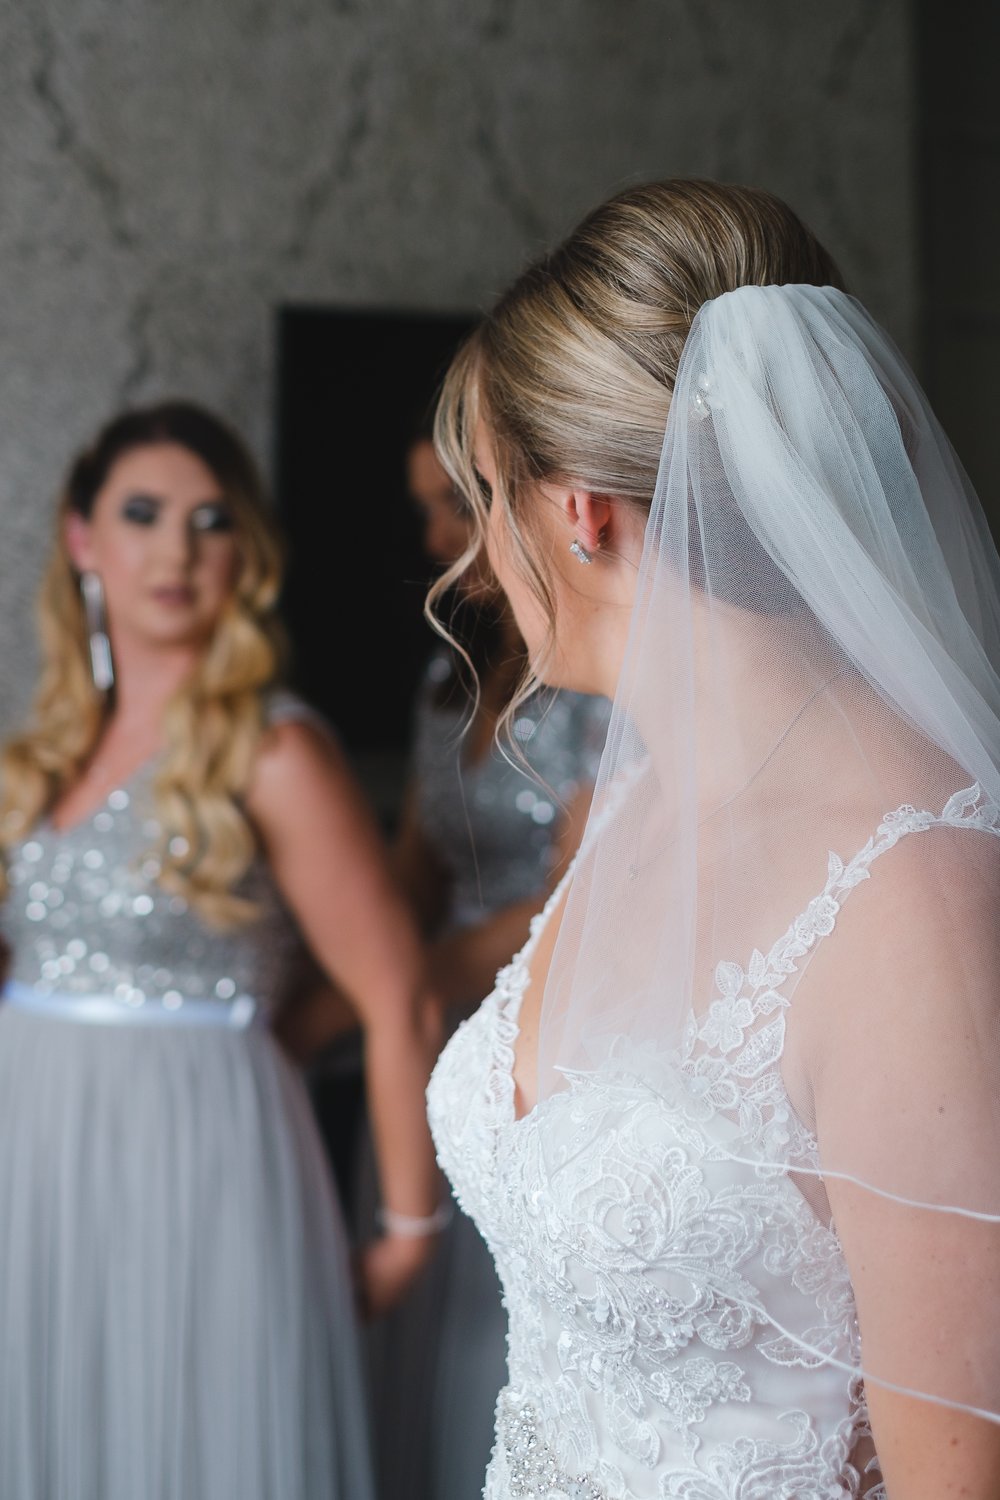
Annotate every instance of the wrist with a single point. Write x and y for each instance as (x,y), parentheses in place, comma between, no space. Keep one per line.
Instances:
(414,1226)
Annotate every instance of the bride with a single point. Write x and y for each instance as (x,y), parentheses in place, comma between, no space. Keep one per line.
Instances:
(729,1122)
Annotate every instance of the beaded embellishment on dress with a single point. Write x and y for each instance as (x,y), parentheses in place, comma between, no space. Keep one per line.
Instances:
(682,1323)
(533,1471)
(86,919)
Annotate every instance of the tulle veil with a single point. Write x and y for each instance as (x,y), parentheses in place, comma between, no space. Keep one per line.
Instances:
(806,737)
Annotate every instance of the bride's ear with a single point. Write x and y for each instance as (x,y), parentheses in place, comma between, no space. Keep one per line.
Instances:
(590,517)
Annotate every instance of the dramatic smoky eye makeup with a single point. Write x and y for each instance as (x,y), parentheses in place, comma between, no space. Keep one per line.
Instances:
(215,515)
(141,510)
(212,516)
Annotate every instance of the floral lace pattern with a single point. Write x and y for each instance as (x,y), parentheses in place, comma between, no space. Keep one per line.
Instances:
(682,1324)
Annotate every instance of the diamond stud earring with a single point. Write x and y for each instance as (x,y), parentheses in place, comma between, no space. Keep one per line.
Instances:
(580,552)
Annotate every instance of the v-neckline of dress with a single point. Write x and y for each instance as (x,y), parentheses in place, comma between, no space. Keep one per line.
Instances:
(510,990)
(105,805)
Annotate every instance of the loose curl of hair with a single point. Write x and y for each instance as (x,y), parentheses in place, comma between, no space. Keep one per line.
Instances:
(573,371)
(214,722)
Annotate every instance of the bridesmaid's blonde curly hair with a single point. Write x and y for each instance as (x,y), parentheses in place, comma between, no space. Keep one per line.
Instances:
(213,724)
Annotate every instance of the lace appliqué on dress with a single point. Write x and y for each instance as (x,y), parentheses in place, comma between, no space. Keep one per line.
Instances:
(682,1324)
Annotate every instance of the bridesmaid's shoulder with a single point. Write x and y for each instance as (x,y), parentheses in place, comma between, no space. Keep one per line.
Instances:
(281,706)
(299,755)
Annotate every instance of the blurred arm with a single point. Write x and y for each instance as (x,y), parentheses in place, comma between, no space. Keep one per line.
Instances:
(313,1018)
(329,862)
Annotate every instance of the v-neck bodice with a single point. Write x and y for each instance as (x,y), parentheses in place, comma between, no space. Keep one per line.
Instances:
(86,916)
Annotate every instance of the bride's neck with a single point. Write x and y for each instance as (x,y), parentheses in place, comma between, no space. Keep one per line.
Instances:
(746,680)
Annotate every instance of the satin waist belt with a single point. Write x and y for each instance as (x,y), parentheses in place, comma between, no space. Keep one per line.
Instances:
(108,1010)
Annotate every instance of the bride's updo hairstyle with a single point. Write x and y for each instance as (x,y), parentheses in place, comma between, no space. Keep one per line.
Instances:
(573,370)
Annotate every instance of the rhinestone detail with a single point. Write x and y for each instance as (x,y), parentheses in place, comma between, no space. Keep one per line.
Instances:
(532,1468)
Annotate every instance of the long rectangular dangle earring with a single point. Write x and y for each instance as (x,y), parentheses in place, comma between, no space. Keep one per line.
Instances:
(580,552)
(101,666)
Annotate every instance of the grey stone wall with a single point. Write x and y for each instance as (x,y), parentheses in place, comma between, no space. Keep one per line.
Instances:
(172,170)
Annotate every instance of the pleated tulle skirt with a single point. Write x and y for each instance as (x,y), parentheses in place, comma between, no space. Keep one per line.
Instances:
(436,1365)
(176,1314)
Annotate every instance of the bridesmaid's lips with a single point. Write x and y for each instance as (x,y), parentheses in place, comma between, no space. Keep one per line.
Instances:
(177,596)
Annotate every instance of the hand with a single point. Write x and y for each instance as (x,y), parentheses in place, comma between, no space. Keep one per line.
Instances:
(389,1266)
(445,955)
(312,1021)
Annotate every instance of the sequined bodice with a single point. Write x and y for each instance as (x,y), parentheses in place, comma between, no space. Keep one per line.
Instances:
(85,915)
(663,1296)
(491,825)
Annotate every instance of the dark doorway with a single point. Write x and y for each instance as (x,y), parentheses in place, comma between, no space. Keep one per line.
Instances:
(353,388)
(958,137)
(353,391)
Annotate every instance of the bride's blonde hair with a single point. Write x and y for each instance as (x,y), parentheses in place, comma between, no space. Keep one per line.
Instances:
(212,725)
(572,371)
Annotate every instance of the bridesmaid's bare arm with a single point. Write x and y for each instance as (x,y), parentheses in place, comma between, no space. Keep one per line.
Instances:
(330,864)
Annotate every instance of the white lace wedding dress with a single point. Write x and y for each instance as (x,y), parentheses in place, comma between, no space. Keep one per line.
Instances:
(661,1296)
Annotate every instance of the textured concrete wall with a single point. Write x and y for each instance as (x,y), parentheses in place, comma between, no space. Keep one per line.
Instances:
(172,170)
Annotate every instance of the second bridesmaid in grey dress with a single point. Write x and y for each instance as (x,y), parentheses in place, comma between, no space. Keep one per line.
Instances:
(481,843)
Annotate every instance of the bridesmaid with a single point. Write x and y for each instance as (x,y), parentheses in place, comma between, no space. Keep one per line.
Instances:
(480,846)
(180,843)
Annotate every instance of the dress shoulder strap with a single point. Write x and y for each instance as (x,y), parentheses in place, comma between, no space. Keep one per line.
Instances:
(739,1040)
(968,808)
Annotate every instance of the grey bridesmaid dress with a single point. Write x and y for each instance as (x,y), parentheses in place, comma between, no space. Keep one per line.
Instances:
(176,1312)
(439,1362)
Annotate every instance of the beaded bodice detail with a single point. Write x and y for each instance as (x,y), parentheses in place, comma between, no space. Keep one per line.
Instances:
(85,915)
(682,1323)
